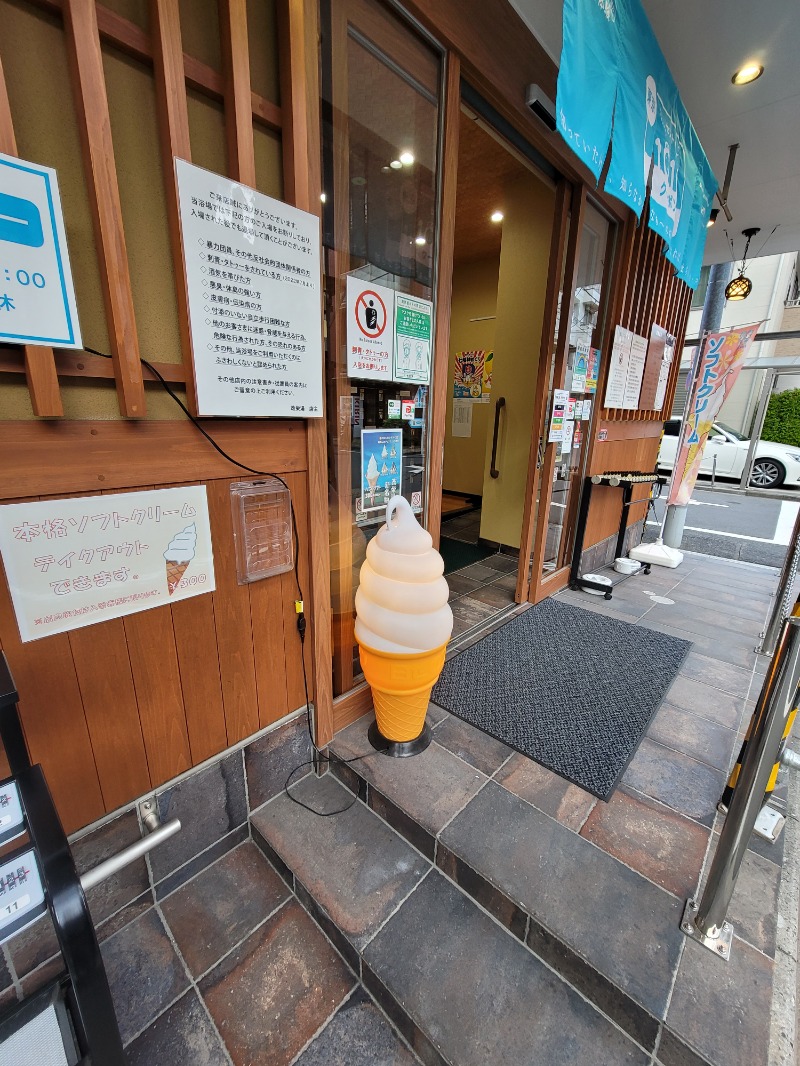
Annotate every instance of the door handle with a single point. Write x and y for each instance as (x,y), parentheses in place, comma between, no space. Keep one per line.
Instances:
(498,407)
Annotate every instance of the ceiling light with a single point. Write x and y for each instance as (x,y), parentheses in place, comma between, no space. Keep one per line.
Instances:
(749,72)
(396,164)
(497,216)
(406,158)
(386,169)
(712,218)
(739,289)
(323,197)
(419,240)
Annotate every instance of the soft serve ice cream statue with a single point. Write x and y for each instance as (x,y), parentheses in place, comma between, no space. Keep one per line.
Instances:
(403,624)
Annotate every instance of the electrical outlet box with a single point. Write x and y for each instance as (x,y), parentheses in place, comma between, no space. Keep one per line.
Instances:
(262,529)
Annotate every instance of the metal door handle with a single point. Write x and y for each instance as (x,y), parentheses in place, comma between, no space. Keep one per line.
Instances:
(498,407)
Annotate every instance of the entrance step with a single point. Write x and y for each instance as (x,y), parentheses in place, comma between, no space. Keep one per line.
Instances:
(606,930)
(461,987)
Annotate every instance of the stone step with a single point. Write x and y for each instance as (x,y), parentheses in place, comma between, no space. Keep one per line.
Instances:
(605,929)
(463,989)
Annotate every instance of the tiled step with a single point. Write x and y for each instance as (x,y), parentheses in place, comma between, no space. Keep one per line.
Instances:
(461,988)
(608,931)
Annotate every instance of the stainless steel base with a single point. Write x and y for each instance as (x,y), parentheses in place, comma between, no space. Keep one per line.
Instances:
(769,824)
(719,945)
(399,749)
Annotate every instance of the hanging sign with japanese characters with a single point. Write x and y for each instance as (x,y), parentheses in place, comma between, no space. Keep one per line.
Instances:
(370,330)
(253,277)
(413,318)
(73,562)
(37,297)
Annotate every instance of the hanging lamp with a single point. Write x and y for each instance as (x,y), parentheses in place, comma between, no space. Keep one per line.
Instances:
(741,287)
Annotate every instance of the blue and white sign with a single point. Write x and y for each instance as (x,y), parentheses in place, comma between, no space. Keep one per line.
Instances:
(37,297)
(614,87)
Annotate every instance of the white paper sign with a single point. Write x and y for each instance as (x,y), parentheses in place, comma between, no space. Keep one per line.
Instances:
(37,297)
(569,429)
(413,338)
(633,381)
(253,276)
(618,368)
(370,330)
(661,387)
(73,562)
(586,412)
(462,418)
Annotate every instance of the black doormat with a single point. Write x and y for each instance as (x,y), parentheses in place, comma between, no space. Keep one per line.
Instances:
(572,689)
(459,553)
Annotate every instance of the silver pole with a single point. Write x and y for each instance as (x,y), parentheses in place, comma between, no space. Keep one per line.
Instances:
(777,698)
(758,424)
(782,604)
(125,858)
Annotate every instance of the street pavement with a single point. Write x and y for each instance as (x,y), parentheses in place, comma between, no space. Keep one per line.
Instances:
(721,522)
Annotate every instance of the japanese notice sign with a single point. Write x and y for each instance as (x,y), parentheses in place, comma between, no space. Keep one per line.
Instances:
(560,401)
(381,467)
(37,297)
(580,368)
(73,562)
(660,353)
(253,276)
(592,370)
(633,381)
(370,330)
(618,368)
(413,320)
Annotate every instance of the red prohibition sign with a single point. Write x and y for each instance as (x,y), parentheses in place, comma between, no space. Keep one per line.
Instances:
(369,308)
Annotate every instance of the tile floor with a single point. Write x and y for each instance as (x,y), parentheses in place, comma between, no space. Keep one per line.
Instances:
(471,884)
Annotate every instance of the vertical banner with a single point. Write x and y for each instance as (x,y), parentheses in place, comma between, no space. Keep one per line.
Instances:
(412,343)
(370,330)
(718,368)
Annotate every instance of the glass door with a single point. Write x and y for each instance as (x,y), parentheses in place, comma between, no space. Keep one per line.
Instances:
(381,119)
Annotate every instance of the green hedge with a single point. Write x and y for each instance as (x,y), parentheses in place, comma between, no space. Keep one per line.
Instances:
(782,423)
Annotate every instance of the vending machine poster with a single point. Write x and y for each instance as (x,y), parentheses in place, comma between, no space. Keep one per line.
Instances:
(381,467)
(413,318)
(73,562)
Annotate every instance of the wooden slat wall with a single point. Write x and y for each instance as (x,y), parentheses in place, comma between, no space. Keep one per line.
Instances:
(114,709)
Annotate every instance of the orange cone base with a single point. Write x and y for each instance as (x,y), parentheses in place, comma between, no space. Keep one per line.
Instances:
(401,689)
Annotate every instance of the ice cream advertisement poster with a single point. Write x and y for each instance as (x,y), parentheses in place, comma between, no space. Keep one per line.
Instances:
(381,467)
(721,360)
(74,562)
(413,319)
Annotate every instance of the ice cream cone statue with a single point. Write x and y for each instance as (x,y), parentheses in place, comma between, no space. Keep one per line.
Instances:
(178,555)
(403,622)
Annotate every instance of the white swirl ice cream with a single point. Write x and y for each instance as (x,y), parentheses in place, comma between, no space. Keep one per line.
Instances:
(180,552)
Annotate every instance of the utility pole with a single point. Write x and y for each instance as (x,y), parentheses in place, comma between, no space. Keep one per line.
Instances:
(718,278)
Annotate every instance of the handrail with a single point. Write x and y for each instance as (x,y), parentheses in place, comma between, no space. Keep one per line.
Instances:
(498,407)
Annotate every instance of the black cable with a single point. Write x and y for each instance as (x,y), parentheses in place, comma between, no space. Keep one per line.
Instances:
(301,619)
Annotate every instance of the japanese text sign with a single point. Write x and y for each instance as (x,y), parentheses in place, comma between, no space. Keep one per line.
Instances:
(370,330)
(412,343)
(37,297)
(253,277)
(73,562)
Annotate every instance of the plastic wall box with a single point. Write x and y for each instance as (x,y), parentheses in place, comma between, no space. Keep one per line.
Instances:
(262,529)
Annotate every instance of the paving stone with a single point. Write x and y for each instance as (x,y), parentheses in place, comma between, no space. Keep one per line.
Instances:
(479,995)
(222,905)
(493,596)
(470,744)
(367,869)
(706,701)
(115,892)
(270,996)
(688,733)
(722,1010)
(505,563)
(144,973)
(461,586)
(665,847)
(733,680)
(532,859)
(33,946)
(210,804)
(431,787)
(684,784)
(478,572)
(270,759)
(560,799)
(181,1036)
(357,1035)
(471,611)
(753,908)
(200,862)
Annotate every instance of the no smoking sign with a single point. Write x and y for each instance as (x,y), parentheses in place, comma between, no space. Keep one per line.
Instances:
(370,330)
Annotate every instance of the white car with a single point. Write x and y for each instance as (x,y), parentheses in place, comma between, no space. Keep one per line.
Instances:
(775,464)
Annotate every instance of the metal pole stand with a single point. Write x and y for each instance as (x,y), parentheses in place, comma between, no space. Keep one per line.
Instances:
(783,593)
(705,921)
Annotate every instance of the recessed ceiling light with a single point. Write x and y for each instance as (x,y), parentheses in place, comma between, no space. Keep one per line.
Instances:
(323,197)
(386,169)
(497,216)
(406,158)
(749,72)
(396,164)
(419,240)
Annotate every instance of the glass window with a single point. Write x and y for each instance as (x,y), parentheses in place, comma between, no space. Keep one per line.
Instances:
(381,90)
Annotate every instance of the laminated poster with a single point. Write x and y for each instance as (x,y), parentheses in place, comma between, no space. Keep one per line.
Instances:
(569,429)
(593,370)
(580,368)
(560,400)
(618,368)
(381,467)
(413,328)
(370,324)
(462,418)
(636,363)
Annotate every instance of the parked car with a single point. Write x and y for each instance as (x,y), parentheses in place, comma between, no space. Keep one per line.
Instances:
(775,464)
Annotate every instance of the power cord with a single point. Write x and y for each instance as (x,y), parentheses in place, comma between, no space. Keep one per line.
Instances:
(320,756)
